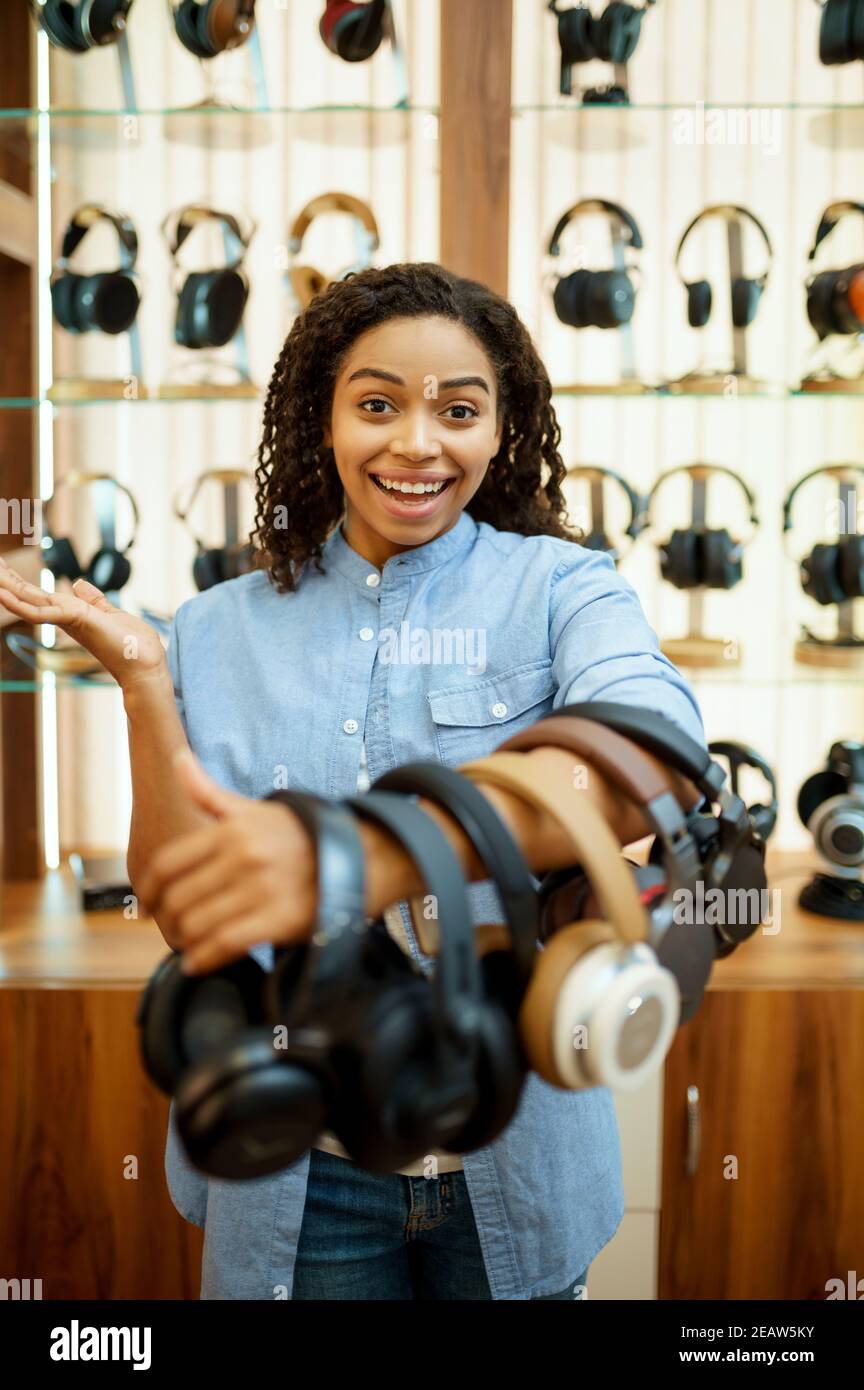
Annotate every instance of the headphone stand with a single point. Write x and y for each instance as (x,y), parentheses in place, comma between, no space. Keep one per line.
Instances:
(846,648)
(827,896)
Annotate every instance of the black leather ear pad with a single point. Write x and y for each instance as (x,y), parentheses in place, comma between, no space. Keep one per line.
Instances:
(679,559)
(109,570)
(817,789)
(63,300)
(577,29)
(820,303)
(568,298)
(208,569)
(191,29)
(721,559)
(698,303)
(59,557)
(501,1071)
(835,32)
(819,574)
(611,298)
(745,300)
(243,1112)
(210,308)
(60,22)
(115,302)
(618,30)
(852,566)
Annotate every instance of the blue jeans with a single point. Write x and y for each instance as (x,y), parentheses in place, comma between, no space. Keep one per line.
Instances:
(371,1236)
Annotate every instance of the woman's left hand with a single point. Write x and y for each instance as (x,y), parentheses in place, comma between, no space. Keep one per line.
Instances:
(249,878)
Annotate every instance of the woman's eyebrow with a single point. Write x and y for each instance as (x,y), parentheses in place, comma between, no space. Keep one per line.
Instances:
(454,382)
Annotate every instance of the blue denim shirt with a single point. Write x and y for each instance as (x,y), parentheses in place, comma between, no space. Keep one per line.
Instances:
(443,654)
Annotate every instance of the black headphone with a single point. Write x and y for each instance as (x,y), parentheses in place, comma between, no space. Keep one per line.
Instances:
(210,303)
(209,27)
(408,1071)
(829,303)
(82,26)
(841,31)
(746,293)
(247,1106)
(831,806)
(834,570)
(763,818)
(698,557)
(106,301)
(353,31)
(596,298)
(213,565)
(732,854)
(597,539)
(612,36)
(109,569)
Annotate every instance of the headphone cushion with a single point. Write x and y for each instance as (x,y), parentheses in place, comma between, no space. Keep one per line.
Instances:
(191,29)
(745,300)
(501,1071)
(64,300)
(699,299)
(577,34)
(679,559)
(60,20)
(835,32)
(818,788)
(852,566)
(537,1016)
(208,569)
(115,303)
(820,574)
(210,308)
(721,559)
(820,304)
(618,30)
(99,21)
(109,570)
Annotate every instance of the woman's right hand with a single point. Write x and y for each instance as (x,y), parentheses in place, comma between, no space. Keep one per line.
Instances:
(129,648)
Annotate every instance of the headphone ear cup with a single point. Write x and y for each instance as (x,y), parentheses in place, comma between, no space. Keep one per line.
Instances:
(59,557)
(63,300)
(61,22)
(208,569)
(820,575)
(852,566)
(835,32)
(115,302)
(721,559)
(539,1016)
(501,1072)
(191,31)
(618,32)
(820,304)
(568,298)
(577,32)
(238,560)
(818,788)
(679,559)
(745,301)
(699,298)
(109,570)
(307,282)
(100,21)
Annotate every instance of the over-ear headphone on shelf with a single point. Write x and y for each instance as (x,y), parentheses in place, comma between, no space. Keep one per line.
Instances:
(213,565)
(246,1106)
(763,817)
(109,569)
(732,853)
(746,292)
(210,303)
(599,976)
(834,570)
(209,27)
(507,954)
(687,949)
(408,1069)
(835,298)
(597,539)
(105,301)
(841,31)
(82,26)
(831,806)
(699,556)
(354,31)
(307,281)
(611,36)
(596,298)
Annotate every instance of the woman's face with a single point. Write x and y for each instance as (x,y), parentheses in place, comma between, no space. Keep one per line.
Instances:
(414,403)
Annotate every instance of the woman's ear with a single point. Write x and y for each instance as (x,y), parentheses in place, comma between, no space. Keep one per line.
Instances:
(328,438)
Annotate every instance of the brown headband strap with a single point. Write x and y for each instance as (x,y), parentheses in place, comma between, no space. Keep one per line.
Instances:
(619,759)
(597,850)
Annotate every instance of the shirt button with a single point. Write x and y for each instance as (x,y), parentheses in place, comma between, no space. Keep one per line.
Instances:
(373,580)
(367,634)
(350,726)
(499,710)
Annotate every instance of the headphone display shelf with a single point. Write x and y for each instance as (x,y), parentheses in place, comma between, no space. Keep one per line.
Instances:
(697,651)
(721,384)
(615,388)
(74,389)
(207,391)
(831,386)
(848,656)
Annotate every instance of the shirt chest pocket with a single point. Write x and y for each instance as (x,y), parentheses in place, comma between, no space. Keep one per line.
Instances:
(472,721)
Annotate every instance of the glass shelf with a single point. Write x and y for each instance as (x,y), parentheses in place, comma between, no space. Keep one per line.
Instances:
(559,106)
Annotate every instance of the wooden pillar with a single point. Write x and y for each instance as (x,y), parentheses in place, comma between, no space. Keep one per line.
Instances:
(475,138)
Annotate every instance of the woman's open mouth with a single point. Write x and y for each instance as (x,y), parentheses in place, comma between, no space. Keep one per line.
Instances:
(411,498)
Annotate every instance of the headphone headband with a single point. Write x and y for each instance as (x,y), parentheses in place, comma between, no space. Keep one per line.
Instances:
(742,754)
(76,479)
(83,218)
(192,215)
(613,213)
(730,212)
(829,219)
(332,202)
(694,470)
(836,470)
(225,476)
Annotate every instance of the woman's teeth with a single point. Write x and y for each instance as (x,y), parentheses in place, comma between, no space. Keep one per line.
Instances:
(390,486)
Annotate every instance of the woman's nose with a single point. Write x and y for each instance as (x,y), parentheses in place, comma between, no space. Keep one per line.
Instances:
(416,441)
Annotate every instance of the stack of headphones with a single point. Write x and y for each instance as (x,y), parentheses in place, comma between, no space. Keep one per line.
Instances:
(611,36)
(348,1034)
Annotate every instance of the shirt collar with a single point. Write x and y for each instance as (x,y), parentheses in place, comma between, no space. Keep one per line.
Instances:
(337,552)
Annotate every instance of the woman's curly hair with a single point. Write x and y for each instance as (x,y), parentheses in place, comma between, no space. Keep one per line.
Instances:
(296,479)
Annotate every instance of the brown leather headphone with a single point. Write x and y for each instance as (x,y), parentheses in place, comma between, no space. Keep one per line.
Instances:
(307,281)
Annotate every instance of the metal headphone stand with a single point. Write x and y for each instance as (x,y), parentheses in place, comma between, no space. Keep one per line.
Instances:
(846,648)
(695,649)
(182,127)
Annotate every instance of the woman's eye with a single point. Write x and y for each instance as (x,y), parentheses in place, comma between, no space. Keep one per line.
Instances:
(376,401)
(462,405)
